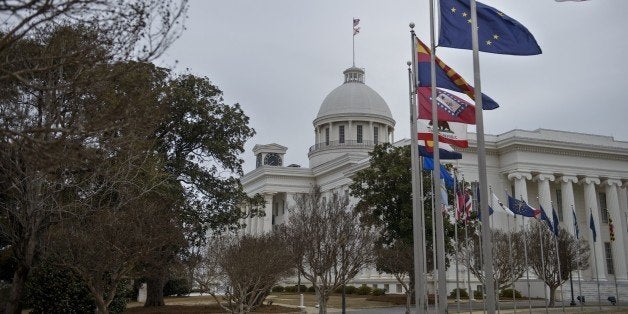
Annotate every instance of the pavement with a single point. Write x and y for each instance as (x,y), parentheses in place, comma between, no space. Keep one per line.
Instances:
(538,306)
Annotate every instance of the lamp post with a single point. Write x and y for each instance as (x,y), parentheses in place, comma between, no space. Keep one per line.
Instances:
(573,302)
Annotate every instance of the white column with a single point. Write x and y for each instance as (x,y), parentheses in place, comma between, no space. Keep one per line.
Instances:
(247,221)
(590,203)
(254,225)
(521,189)
(545,196)
(612,202)
(371,130)
(267,220)
(350,136)
(566,192)
(623,209)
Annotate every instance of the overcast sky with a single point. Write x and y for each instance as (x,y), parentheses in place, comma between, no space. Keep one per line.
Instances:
(280,58)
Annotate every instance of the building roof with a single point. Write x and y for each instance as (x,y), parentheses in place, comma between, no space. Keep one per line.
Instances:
(354,97)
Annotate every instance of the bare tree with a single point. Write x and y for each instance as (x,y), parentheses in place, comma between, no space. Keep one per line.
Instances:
(328,241)
(250,267)
(507,268)
(398,260)
(573,254)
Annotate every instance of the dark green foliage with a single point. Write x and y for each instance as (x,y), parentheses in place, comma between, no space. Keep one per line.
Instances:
(463,294)
(378,292)
(364,290)
(507,294)
(311,289)
(178,287)
(278,289)
(294,288)
(478,295)
(52,289)
(348,289)
(385,193)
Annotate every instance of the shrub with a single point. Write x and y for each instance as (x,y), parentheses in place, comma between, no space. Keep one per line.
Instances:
(378,292)
(311,289)
(478,295)
(51,289)
(351,290)
(463,294)
(507,293)
(178,287)
(278,289)
(293,289)
(364,290)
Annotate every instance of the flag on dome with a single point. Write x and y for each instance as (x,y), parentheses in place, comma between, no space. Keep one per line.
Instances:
(497,32)
(356,29)
(446,77)
(356,22)
(451,107)
(448,132)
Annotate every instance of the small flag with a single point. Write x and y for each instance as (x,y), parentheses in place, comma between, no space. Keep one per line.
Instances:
(448,132)
(556,222)
(356,30)
(520,207)
(497,32)
(592,226)
(451,107)
(443,153)
(477,196)
(356,22)
(428,164)
(465,205)
(500,206)
(575,224)
(545,218)
(446,77)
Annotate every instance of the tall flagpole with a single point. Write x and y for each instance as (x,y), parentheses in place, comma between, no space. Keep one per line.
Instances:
(578,258)
(560,277)
(456,218)
(434,245)
(543,259)
(440,232)
(417,189)
(466,238)
(510,258)
(597,277)
(525,253)
(488,245)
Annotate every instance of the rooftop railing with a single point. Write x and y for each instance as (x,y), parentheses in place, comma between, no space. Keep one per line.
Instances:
(346,143)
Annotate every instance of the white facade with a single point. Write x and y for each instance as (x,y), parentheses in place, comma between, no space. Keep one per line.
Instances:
(544,167)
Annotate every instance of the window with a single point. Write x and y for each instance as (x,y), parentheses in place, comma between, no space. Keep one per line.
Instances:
(609,258)
(374,286)
(341,134)
(359,134)
(386,287)
(375,135)
(603,208)
(399,288)
(559,204)
(326,136)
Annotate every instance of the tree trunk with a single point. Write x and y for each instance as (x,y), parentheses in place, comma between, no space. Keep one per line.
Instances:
(17,289)
(155,290)
(552,299)
(101,307)
(409,302)
(321,297)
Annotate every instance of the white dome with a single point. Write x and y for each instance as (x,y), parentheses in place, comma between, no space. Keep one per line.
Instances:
(354,98)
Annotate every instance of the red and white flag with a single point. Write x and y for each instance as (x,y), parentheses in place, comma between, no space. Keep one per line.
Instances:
(448,132)
(452,106)
(356,22)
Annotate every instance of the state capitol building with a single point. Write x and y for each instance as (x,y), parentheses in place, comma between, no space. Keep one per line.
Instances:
(563,169)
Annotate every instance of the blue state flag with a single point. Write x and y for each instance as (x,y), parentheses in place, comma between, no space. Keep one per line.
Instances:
(575,224)
(520,207)
(545,218)
(497,32)
(592,226)
(556,222)
(428,164)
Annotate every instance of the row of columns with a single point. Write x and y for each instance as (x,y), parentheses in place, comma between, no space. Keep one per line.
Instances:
(612,192)
(258,225)
(386,134)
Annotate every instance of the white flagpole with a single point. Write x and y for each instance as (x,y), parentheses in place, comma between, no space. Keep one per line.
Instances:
(440,232)
(525,253)
(434,244)
(457,217)
(597,277)
(466,238)
(487,249)
(417,189)
(510,258)
(490,192)
(578,259)
(543,258)
(560,277)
